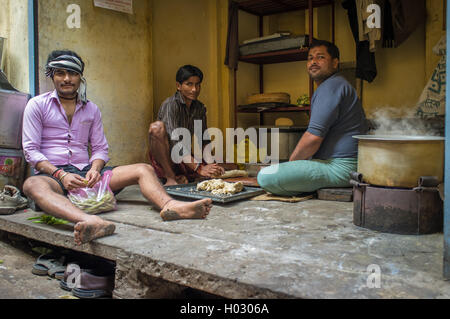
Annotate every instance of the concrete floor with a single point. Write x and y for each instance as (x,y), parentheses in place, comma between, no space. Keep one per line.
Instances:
(254,249)
(18,254)
(16,279)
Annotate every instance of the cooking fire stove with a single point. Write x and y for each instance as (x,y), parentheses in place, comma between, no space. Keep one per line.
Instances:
(415,211)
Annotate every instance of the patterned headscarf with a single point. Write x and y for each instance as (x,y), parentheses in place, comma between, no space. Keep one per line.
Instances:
(71,63)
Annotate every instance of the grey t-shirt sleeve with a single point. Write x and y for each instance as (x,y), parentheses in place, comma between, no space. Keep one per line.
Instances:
(336,116)
(324,113)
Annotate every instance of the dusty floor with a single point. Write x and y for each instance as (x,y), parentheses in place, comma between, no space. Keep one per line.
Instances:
(16,279)
(250,249)
(17,256)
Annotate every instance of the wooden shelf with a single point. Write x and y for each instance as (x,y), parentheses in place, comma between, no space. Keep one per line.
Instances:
(279,109)
(269,7)
(263,8)
(283,56)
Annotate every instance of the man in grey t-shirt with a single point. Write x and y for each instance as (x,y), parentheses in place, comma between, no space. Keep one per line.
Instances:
(326,153)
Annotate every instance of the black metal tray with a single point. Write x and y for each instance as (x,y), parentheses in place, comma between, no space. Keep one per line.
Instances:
(190,191)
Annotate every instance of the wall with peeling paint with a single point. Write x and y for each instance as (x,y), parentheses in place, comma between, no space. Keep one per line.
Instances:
(116,48)
(131,60)
(14,27)
(193,33)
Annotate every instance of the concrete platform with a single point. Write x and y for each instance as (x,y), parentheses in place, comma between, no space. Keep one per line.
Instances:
(254,249)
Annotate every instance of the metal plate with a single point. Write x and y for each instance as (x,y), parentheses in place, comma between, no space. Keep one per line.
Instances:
(398,138)
(190,191)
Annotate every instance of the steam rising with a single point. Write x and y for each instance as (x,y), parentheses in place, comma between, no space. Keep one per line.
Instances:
(396,121)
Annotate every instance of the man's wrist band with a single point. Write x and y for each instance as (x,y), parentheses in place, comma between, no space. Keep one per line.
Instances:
(60,173)
(62,176)
(197,167)
(54,173)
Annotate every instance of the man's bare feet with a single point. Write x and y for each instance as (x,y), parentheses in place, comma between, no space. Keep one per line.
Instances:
(170,182)
(180,179)
(175,210)
(91,229)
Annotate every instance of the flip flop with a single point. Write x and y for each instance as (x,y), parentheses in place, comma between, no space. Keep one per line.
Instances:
(57,272)
(49,265)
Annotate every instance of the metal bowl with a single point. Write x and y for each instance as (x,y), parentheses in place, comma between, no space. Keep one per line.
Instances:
(399,161)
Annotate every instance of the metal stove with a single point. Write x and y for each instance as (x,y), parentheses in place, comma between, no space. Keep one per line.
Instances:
(415,211)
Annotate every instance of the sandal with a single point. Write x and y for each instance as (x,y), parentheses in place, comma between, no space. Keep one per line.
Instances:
(91,294)
(72,266)
(50,265)
(92,284)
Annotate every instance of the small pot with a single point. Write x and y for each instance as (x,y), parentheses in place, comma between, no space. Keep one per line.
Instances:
(399,161)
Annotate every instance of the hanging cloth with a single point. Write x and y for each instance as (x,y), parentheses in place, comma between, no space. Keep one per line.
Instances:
(401,19)
(366,68)
(388,28)
(365,33)
(407,15)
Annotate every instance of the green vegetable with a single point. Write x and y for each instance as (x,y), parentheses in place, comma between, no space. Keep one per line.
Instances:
(303,100)
(91,205)
(49,220)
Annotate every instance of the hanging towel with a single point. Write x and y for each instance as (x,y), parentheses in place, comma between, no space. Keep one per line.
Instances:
(388,28)
(365,33)
(366,68)
(407,15)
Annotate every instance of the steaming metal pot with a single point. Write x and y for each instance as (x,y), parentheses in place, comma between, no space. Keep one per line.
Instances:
(399,161)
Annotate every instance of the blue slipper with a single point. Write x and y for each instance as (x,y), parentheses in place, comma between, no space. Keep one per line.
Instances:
(49,265)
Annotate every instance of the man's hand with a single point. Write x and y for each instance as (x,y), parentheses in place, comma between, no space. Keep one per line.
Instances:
(93,175)
(73,181)
(92,178)
(308,145)
(211,170)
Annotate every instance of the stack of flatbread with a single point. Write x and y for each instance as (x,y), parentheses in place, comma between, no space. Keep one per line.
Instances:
(219,187)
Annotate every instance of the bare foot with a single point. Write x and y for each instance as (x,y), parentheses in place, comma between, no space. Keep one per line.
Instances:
(175,210)
(170,182)
(181,179)
(93,228)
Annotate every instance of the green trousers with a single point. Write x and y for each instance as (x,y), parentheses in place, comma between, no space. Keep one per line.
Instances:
(293,178)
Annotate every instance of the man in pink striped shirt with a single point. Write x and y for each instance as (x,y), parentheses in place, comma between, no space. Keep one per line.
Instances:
(58,128)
